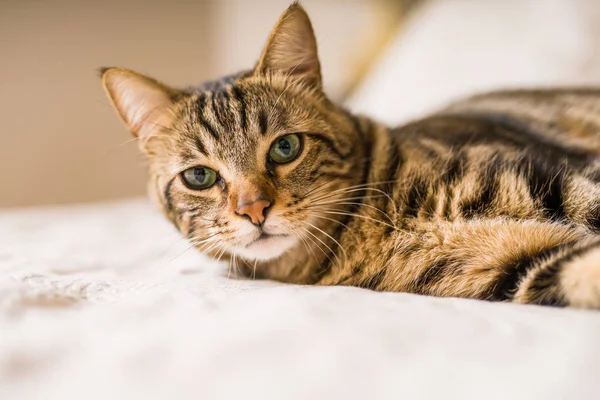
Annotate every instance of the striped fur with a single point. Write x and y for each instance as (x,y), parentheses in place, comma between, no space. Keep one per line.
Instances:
(496,197)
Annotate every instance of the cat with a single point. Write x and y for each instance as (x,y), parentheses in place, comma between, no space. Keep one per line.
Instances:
(496,197)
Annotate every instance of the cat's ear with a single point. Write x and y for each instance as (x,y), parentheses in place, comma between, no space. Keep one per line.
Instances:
(292,48)
(140,101)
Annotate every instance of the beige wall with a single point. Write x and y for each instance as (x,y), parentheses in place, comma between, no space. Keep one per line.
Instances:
(59,140)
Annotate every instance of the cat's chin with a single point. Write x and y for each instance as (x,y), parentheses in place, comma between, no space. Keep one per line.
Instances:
(266,247)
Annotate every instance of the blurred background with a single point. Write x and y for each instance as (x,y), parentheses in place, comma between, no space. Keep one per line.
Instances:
(60,142)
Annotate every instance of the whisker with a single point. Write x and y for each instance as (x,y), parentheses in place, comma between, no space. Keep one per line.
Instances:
(330,237)
(356,190)
(211,246)
(350,203)
(302,237)
(316,244)
(336,212)
(317,188)
(375,196)
(328,219)
(180,254)
(223,250)
(324,244)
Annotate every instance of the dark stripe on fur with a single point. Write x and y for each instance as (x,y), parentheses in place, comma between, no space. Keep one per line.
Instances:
(521,133)
(546,183)
(373,281)
(508,283)
(545,287)
(200,146)
(218,110)
(201,104)
(454,169)
(416,196)
(239,96)
(466,129)
(208,127)
(432,274)
(167,194)
(262,122)
(329,143)
(481,204)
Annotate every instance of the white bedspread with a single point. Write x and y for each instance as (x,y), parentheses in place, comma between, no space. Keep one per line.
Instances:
(103,302)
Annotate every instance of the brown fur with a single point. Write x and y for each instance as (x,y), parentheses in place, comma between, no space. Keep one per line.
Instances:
(494,198)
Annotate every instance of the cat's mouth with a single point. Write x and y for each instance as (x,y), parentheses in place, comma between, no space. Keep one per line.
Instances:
(266,246)
(265,238)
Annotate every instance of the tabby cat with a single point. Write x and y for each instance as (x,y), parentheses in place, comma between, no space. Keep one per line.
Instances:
(496,197)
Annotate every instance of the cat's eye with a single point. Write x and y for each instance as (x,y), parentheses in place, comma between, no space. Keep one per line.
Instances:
(285,149)
(198,178)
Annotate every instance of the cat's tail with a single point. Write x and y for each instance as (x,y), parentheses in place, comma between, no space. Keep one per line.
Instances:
(568,277)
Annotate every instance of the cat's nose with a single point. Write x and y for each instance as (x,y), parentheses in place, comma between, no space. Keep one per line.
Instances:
(256,210)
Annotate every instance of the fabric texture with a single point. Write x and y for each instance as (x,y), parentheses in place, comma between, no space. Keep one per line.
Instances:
(104,302)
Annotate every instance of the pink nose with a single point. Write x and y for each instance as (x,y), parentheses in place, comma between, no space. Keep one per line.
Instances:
(255,211)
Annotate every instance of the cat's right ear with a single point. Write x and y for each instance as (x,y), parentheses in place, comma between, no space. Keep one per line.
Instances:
(140,101)
(292,48)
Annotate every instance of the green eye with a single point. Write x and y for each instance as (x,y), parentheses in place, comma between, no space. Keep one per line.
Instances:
(198,178)
(285,149)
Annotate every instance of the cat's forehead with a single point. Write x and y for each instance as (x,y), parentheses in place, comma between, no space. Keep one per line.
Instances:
(232,120)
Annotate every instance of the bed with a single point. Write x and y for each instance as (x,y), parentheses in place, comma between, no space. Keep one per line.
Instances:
(106,301)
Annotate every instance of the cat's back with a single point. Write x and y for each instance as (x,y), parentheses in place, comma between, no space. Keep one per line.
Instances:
(504,153)
(558,125)
(569,116)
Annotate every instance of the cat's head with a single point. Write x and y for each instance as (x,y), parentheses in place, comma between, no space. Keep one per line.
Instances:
(251,164)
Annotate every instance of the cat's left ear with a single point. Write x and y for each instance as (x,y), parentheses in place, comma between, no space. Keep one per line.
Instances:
(142,102)
(292,48)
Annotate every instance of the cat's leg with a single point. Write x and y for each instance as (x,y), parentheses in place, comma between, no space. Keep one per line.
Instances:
(568,277)
(500,260)
(581,200)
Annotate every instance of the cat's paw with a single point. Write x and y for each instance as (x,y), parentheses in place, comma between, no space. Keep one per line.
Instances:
(580,280)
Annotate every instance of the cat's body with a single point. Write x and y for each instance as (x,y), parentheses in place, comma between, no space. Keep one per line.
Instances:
(495,198)
(486,197)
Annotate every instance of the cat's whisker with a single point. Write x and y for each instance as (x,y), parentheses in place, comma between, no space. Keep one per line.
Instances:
(337,197)
(205,248)
(350,203)
(302,237)
(232,264)
(337,212)
(313,214)
(180,254)
(223,250)
(205,241)
(328,201)
(330,237)
(368,184)
(348,190)
(318,189)
(324,244)
(358,186)
(316,244)
(200,236)
(183,237)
